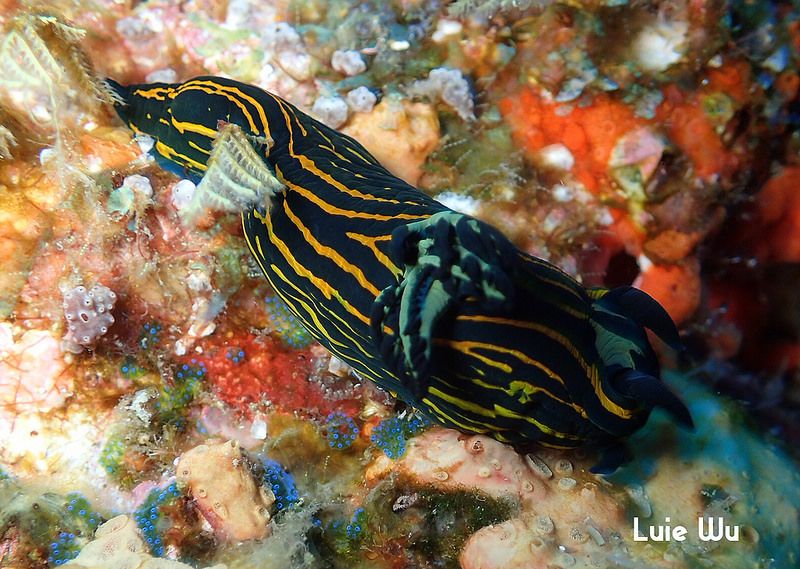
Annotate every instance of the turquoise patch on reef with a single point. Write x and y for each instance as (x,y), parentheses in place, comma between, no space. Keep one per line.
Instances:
(752,482)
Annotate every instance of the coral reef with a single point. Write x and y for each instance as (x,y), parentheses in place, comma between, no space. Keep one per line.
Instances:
(569,518)
(653,144)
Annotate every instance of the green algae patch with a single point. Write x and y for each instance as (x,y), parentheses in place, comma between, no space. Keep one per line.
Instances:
(451,517)
(404,524)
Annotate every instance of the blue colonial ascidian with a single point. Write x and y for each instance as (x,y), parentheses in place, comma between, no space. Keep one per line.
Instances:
(80,521)
(150,335)
(174,400)
(130,368)
(236,355)
(149,513)
(391,434)
(340,430)
(345,535)
(79,508)
(63,549)
(287,326)
(282,484)
(111,455)
(355,528)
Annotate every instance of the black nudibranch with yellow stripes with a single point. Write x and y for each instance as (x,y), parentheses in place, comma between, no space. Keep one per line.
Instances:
(436,307)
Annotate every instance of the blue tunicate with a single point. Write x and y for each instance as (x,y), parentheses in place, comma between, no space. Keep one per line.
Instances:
(150,336)
(282,484)
(389,437)
(78,508)
(130,369)
(236,355)
(346,534)
(357,524)
(391,434)
(63,549)
(112,454)
(341,430)
(148,514)
(174,399)
(287,325)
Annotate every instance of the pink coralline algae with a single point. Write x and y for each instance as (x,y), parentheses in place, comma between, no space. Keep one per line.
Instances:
(31,372)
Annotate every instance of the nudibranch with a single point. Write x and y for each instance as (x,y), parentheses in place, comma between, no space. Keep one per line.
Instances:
(435,306)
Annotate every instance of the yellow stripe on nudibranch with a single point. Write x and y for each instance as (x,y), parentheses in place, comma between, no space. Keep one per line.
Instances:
(330,252)
(171,154)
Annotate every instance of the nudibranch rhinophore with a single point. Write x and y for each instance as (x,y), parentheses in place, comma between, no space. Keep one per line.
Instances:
(436,307)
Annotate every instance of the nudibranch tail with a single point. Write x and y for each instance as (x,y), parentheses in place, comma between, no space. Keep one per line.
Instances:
(651,391)
(619,317)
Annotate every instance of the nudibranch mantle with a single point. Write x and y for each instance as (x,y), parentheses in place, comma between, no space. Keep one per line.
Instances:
(435,306)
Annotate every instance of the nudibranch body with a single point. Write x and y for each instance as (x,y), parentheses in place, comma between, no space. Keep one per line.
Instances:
(435,306)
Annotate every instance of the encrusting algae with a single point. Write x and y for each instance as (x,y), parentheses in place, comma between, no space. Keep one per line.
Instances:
(653,145)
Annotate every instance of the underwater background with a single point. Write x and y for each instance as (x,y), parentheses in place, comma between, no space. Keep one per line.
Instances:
(161,407)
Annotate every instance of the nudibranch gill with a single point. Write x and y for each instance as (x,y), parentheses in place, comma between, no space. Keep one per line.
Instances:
(436,307)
